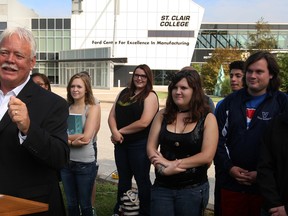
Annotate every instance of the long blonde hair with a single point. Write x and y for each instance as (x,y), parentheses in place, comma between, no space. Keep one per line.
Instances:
(89,97)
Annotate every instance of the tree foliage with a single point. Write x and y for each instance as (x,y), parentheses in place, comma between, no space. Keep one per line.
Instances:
(226,88)
(283,63)
(210,70)
(262,39)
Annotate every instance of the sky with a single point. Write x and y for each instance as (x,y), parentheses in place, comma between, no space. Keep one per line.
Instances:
(239,11)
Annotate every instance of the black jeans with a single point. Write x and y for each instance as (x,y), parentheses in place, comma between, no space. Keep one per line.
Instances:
(132,160)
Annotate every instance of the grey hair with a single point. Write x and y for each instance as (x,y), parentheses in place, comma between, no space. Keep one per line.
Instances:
(23,33)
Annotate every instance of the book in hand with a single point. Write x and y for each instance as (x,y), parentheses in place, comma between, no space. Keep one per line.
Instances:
(75,125)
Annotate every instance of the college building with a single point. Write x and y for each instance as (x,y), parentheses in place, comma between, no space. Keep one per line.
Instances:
(109,38)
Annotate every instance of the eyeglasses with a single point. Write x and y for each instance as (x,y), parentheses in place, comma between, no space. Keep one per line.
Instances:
(137,76)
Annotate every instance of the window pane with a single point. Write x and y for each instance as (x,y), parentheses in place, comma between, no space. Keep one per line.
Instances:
(50,45)
(42,33)
(58,44)
(35,24)
(66,44)
(59,24)
(43,24)
(50,33)
(35,33)
(42,44)
(66,33)
(51,24)
(42,56)
(58,33)
(67,23)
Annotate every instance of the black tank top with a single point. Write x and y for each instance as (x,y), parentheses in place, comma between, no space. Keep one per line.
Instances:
(177,146)
(129,112)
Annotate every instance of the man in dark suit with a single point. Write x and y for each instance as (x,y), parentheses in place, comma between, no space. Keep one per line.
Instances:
(33,126)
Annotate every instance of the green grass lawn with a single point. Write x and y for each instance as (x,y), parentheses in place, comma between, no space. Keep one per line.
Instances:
(106,194)
(163,95)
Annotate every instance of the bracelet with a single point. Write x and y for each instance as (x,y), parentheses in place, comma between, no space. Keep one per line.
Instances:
(160,169)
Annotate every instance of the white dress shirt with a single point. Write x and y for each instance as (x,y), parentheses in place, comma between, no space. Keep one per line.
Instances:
(4,100)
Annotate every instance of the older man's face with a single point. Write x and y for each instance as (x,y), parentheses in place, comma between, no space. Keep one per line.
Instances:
(15,62)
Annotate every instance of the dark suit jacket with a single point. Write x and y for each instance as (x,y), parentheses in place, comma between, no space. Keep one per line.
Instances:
(29,170)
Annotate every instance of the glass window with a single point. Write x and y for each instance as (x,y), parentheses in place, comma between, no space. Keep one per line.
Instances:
(98,64)
(282,41)
(35,24)
(35,33)
(58,44)
(42,56)
(98,77)
(51,56)
(283,27)
(58,33)
(42,33)
(42,44)
(51,24)
(42,68)
(50,33)
(67,23)
(3,25)
(66,33)
(43,24)
(59,24)
(66,44)
(50,45)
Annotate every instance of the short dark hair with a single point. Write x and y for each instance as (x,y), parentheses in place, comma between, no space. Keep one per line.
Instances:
(273,67)
(237,65)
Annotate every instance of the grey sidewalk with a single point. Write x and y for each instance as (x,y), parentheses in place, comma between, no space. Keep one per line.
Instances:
(106,148)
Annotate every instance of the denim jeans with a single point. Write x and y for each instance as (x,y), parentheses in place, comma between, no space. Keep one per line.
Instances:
(78,180)
(184,202)
(132,160)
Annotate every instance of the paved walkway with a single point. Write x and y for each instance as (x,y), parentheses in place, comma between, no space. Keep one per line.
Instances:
(105,147)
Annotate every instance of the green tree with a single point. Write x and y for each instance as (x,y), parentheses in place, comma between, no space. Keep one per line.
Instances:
(197,67)
(210,70)
(283,63)
(226,88)
(262,39)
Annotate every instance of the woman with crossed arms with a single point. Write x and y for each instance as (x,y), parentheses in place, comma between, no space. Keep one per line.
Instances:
(187,134)
(79,175)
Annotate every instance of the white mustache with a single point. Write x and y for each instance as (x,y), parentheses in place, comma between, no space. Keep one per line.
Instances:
(9,66)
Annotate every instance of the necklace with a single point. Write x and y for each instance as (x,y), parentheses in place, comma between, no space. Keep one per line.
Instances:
(183,111)
(182,131)
(177,144)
